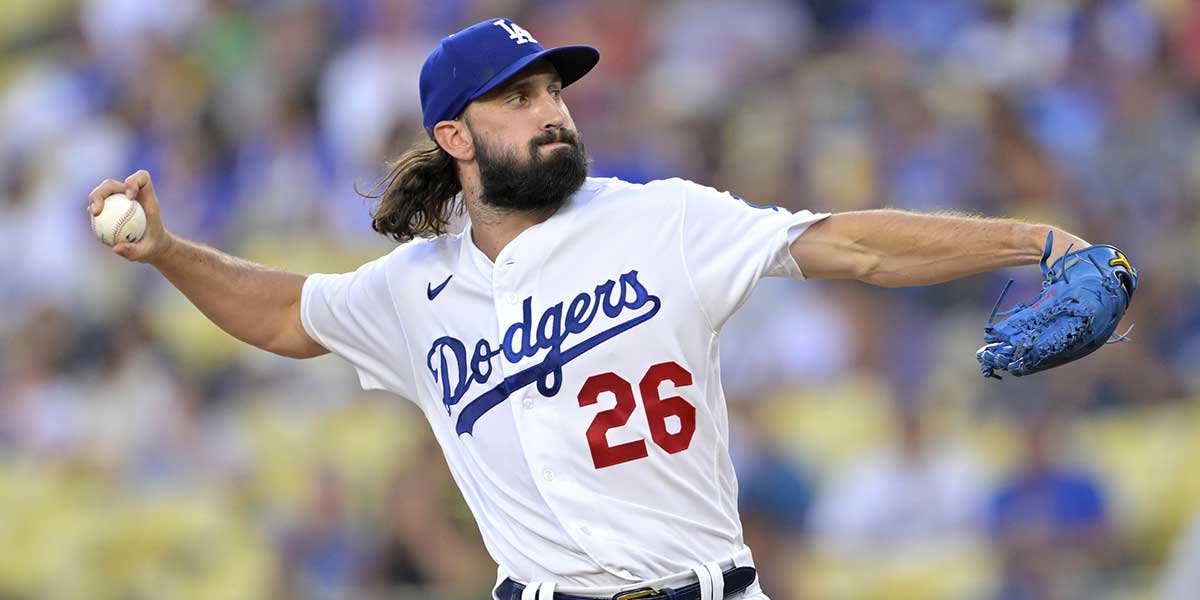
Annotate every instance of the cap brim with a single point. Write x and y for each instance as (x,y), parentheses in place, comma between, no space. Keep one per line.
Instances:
(571,62)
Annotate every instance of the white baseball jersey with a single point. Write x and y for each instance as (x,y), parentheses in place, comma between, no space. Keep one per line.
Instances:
(573,384)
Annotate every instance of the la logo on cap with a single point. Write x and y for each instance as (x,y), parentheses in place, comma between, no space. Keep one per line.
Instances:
(468,64)
(515,32)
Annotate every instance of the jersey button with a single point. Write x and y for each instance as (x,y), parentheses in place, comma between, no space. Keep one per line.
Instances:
(547,474)
(511,298)
(527,403)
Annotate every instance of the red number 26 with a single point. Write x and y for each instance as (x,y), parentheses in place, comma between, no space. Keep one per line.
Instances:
(657,410)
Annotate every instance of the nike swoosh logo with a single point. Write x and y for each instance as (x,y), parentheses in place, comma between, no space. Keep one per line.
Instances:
(434,291)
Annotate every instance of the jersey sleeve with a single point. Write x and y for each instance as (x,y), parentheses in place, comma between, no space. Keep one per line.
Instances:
(353,316)
(730,244)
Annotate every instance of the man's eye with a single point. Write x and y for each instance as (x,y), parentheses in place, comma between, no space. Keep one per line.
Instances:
(556,93)
(518,100)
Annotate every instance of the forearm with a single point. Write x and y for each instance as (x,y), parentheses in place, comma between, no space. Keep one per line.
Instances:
(896,248)
(253,303)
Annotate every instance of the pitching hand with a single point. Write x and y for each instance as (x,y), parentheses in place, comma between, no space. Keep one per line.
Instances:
(139,188)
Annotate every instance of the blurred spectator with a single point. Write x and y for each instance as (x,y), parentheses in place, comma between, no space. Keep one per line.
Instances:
(919,490)
(41,408)
(1050,520)
(774,497)
(321,553)
(415,515)
(789,334)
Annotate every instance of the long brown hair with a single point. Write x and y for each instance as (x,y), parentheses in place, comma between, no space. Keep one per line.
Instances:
(416,197)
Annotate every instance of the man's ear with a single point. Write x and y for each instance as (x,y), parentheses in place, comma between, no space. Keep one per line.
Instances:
(454,138)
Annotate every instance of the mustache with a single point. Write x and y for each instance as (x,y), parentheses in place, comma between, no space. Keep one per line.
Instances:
(550,136)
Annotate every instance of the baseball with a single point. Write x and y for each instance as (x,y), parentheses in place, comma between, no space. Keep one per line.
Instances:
(122,220)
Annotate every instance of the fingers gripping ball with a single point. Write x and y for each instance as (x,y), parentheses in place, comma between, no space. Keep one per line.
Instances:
(1084,295)
(121,220)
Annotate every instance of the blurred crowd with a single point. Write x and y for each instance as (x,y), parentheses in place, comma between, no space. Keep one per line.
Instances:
(144,454)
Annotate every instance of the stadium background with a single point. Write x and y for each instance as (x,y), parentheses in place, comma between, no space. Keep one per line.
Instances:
(143,454)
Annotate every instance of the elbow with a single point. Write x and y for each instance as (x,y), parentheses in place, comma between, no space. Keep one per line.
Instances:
(886,279)
(897,278)
(888,274)
(873,270)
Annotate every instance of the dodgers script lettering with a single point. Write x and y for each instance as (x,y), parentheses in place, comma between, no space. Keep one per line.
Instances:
(456,367)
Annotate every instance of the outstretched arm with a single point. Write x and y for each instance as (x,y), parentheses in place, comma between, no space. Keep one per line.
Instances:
(894,248)
(253,303)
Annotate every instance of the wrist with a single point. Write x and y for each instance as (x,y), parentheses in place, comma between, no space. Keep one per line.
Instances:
(168,248)
(1030,241)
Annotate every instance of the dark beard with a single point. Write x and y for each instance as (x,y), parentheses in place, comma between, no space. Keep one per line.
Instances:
(542,182)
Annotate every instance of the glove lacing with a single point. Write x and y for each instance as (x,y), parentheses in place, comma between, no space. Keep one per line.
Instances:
(1036,323)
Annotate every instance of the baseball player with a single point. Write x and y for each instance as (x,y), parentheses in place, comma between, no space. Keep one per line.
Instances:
(564,346)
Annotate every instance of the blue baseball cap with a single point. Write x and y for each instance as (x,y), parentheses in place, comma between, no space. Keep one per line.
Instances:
(474,61)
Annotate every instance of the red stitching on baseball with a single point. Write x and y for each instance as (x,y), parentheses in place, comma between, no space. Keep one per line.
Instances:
(123,221)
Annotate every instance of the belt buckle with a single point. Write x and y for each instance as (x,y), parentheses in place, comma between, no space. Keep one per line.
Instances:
(641,593)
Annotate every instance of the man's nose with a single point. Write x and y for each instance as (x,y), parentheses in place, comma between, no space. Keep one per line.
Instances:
(551,112)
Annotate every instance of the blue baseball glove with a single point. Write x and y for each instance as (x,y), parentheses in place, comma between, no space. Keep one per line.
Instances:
(1084,295)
